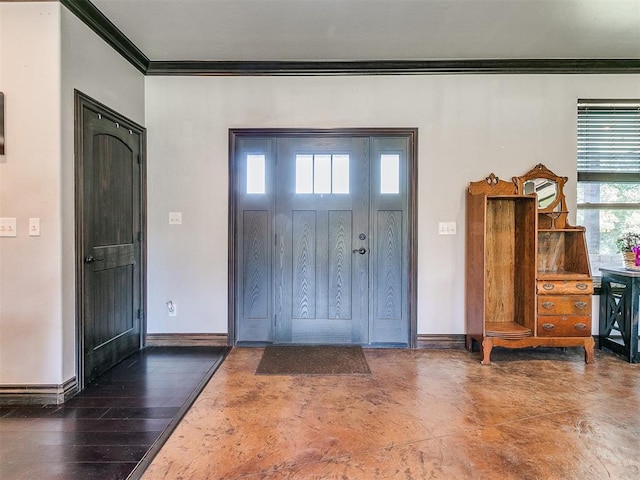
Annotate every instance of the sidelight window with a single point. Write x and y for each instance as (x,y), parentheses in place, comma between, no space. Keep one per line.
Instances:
(256,174)
(390,173)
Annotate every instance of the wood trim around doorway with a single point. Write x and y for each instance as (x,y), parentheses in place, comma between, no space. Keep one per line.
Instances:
(412,163)
(81,101)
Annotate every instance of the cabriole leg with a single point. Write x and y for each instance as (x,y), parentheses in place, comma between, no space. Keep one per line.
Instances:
(589,345)
(487,345)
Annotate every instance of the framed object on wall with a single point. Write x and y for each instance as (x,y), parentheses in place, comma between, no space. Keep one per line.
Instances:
(1,123)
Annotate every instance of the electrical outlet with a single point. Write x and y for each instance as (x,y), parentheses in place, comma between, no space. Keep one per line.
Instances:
(175,218)
(447,228)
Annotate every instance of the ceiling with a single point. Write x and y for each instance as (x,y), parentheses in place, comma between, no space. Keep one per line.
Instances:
(376,30)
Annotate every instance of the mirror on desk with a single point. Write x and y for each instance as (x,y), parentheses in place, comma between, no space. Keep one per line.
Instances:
(545,189)
(548,187)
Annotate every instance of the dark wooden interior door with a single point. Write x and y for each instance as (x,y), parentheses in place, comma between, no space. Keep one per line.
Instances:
(112,276)
(321,274)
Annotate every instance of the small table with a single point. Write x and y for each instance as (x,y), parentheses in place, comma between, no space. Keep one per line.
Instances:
(619,312)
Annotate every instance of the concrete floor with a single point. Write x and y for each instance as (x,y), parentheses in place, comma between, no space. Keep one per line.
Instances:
(421,414)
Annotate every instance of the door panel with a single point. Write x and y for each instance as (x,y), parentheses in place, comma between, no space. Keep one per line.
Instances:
(111,190)
(303,299)
(111,233)
(390,269)
(317,233)
(389,264)
(252,262)
(389,279)
(339,263)
(256,294)
(113,315)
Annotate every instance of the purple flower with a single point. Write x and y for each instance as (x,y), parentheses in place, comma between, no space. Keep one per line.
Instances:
(636,250)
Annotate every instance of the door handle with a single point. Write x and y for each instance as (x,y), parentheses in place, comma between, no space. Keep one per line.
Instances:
(360,250)
(91,259)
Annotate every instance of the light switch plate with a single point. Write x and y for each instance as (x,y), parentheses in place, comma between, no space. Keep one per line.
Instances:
(34,227)
(8,227)
(447,228)
(175,218)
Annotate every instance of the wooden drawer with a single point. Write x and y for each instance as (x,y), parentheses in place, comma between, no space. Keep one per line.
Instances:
(562,287)
(564,326)
(564,304)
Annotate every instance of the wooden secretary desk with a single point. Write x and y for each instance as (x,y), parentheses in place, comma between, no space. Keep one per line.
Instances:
(528,280)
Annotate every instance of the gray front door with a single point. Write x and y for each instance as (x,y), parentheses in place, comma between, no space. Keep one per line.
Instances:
(322,250)
(321,238)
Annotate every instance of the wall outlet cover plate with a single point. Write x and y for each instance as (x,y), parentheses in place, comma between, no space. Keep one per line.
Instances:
(8,227)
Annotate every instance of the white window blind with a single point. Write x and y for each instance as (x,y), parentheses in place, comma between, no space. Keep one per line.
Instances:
(608,139)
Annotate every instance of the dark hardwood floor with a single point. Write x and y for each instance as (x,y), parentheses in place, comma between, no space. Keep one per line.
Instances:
(115,426)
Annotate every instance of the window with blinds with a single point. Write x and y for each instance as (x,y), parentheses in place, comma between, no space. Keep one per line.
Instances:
(608,153)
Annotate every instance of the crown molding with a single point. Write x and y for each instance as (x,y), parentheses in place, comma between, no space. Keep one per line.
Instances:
(105,29)
(392,67)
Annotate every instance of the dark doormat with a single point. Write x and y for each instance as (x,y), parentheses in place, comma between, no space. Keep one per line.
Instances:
(313,360)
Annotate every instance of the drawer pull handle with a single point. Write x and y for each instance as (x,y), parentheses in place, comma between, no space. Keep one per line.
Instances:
(548,286)
(548,326)
(548,305)
(581,286)
(580,326)
(581,304)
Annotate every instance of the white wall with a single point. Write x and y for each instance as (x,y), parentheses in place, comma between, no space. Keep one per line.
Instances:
(45,52)
(30,288)
(469,126)
(94,68)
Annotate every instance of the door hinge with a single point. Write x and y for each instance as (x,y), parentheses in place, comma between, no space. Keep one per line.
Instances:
(139,314)
(139,236)
(139,159)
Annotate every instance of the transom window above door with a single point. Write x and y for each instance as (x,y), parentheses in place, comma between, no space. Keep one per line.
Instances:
(323,173)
